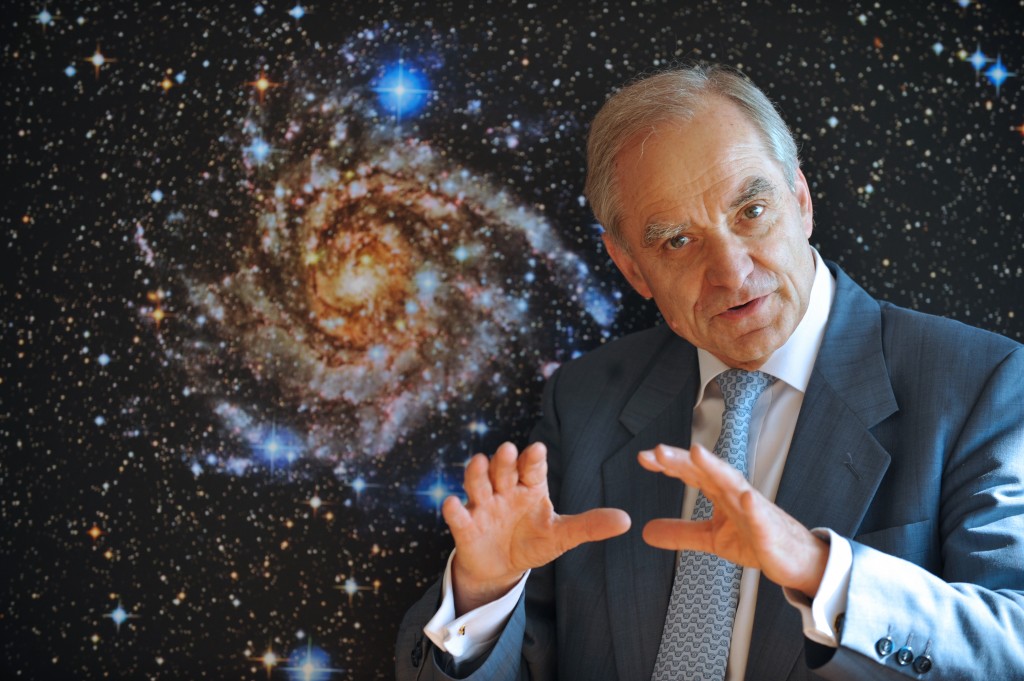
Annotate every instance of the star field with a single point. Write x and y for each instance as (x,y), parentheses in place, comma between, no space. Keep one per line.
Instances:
(273,271)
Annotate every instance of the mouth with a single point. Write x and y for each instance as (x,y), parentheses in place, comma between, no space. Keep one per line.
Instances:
(743,309)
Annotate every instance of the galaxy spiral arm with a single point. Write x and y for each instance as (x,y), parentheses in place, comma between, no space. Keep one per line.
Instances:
(344,281)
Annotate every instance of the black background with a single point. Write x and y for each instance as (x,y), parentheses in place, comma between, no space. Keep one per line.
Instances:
(916,190)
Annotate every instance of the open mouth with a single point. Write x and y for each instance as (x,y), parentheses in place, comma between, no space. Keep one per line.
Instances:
(743,308)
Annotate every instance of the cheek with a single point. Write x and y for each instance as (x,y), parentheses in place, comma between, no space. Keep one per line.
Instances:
(682,312)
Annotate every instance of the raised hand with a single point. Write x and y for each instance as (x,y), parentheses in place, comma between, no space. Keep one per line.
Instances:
(746,528)
(509,525)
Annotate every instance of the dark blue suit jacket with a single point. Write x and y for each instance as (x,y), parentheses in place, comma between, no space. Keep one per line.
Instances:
(910,442)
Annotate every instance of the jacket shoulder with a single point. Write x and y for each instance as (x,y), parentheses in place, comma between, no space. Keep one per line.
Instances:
(941,338)
(620,359)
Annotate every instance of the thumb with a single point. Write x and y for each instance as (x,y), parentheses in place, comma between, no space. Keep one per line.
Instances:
(594,525)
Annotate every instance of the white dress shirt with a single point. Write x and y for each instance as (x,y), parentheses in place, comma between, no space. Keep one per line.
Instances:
(473,634)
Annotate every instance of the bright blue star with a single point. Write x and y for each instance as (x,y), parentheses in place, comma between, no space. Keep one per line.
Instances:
(297,12)
(258,150)
(44,18)
(70,71)
(434,489)
(276,447)
(119,616)
(403,91)
(309,664)
(156,195)
(978,59)
(997,73)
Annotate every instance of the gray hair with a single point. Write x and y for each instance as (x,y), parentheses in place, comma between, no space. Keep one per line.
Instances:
(677,94)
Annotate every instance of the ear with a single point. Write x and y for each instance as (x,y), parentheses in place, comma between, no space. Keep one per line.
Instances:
(803,198)
(624,261)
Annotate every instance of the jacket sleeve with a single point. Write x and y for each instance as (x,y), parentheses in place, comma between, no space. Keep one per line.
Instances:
(416,658)
(965,620)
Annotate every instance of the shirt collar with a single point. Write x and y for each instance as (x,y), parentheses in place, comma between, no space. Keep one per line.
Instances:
(792,362)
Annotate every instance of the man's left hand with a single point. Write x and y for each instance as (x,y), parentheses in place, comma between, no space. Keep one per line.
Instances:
(745,528)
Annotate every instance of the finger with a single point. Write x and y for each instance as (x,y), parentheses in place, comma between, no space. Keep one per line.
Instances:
(477,483)
(672,461)
(593,525)
(679,535)
(503,471)
(456,515)
(533,465)
(720,481)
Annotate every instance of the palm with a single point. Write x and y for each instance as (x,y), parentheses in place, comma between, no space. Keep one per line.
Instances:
(745,528)
(509,525)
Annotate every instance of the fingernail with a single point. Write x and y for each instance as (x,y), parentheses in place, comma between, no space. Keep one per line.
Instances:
(649,457)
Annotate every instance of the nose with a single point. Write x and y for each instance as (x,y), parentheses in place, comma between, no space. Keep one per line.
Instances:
(727,263)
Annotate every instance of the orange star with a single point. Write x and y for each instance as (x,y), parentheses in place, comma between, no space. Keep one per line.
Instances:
(262,84)
(158,314)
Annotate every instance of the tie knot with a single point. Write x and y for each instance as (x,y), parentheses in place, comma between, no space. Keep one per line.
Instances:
(742,388)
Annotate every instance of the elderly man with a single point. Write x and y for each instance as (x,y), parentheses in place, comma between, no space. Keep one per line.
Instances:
(619,546)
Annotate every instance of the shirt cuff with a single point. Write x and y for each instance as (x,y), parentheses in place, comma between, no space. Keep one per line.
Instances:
(470,636)
(822,614)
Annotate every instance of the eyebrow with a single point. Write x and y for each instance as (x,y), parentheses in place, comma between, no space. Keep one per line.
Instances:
(752,188)
(659,231)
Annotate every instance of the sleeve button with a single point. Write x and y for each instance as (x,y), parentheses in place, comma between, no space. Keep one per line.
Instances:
(904,655)
(923,664)
(884,646)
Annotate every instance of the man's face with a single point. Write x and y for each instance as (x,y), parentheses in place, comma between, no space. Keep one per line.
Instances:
(715,235)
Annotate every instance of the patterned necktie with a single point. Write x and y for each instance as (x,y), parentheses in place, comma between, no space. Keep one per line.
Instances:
(698,626)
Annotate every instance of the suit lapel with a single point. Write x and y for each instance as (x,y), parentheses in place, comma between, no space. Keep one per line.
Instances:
(639,577)
(835,464)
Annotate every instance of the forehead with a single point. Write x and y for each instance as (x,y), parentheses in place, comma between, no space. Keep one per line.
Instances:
(677,166)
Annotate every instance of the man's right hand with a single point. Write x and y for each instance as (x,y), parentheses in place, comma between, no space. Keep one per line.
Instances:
(509,525)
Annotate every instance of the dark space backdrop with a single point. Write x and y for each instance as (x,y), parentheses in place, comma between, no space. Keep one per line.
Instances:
(272,271)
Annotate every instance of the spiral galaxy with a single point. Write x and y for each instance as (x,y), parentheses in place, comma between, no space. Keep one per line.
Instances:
(355,283)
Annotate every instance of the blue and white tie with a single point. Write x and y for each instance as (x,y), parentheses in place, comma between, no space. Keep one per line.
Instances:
(698,626)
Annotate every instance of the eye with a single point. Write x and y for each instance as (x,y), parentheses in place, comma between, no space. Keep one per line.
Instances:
(753,211)
(677,242)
